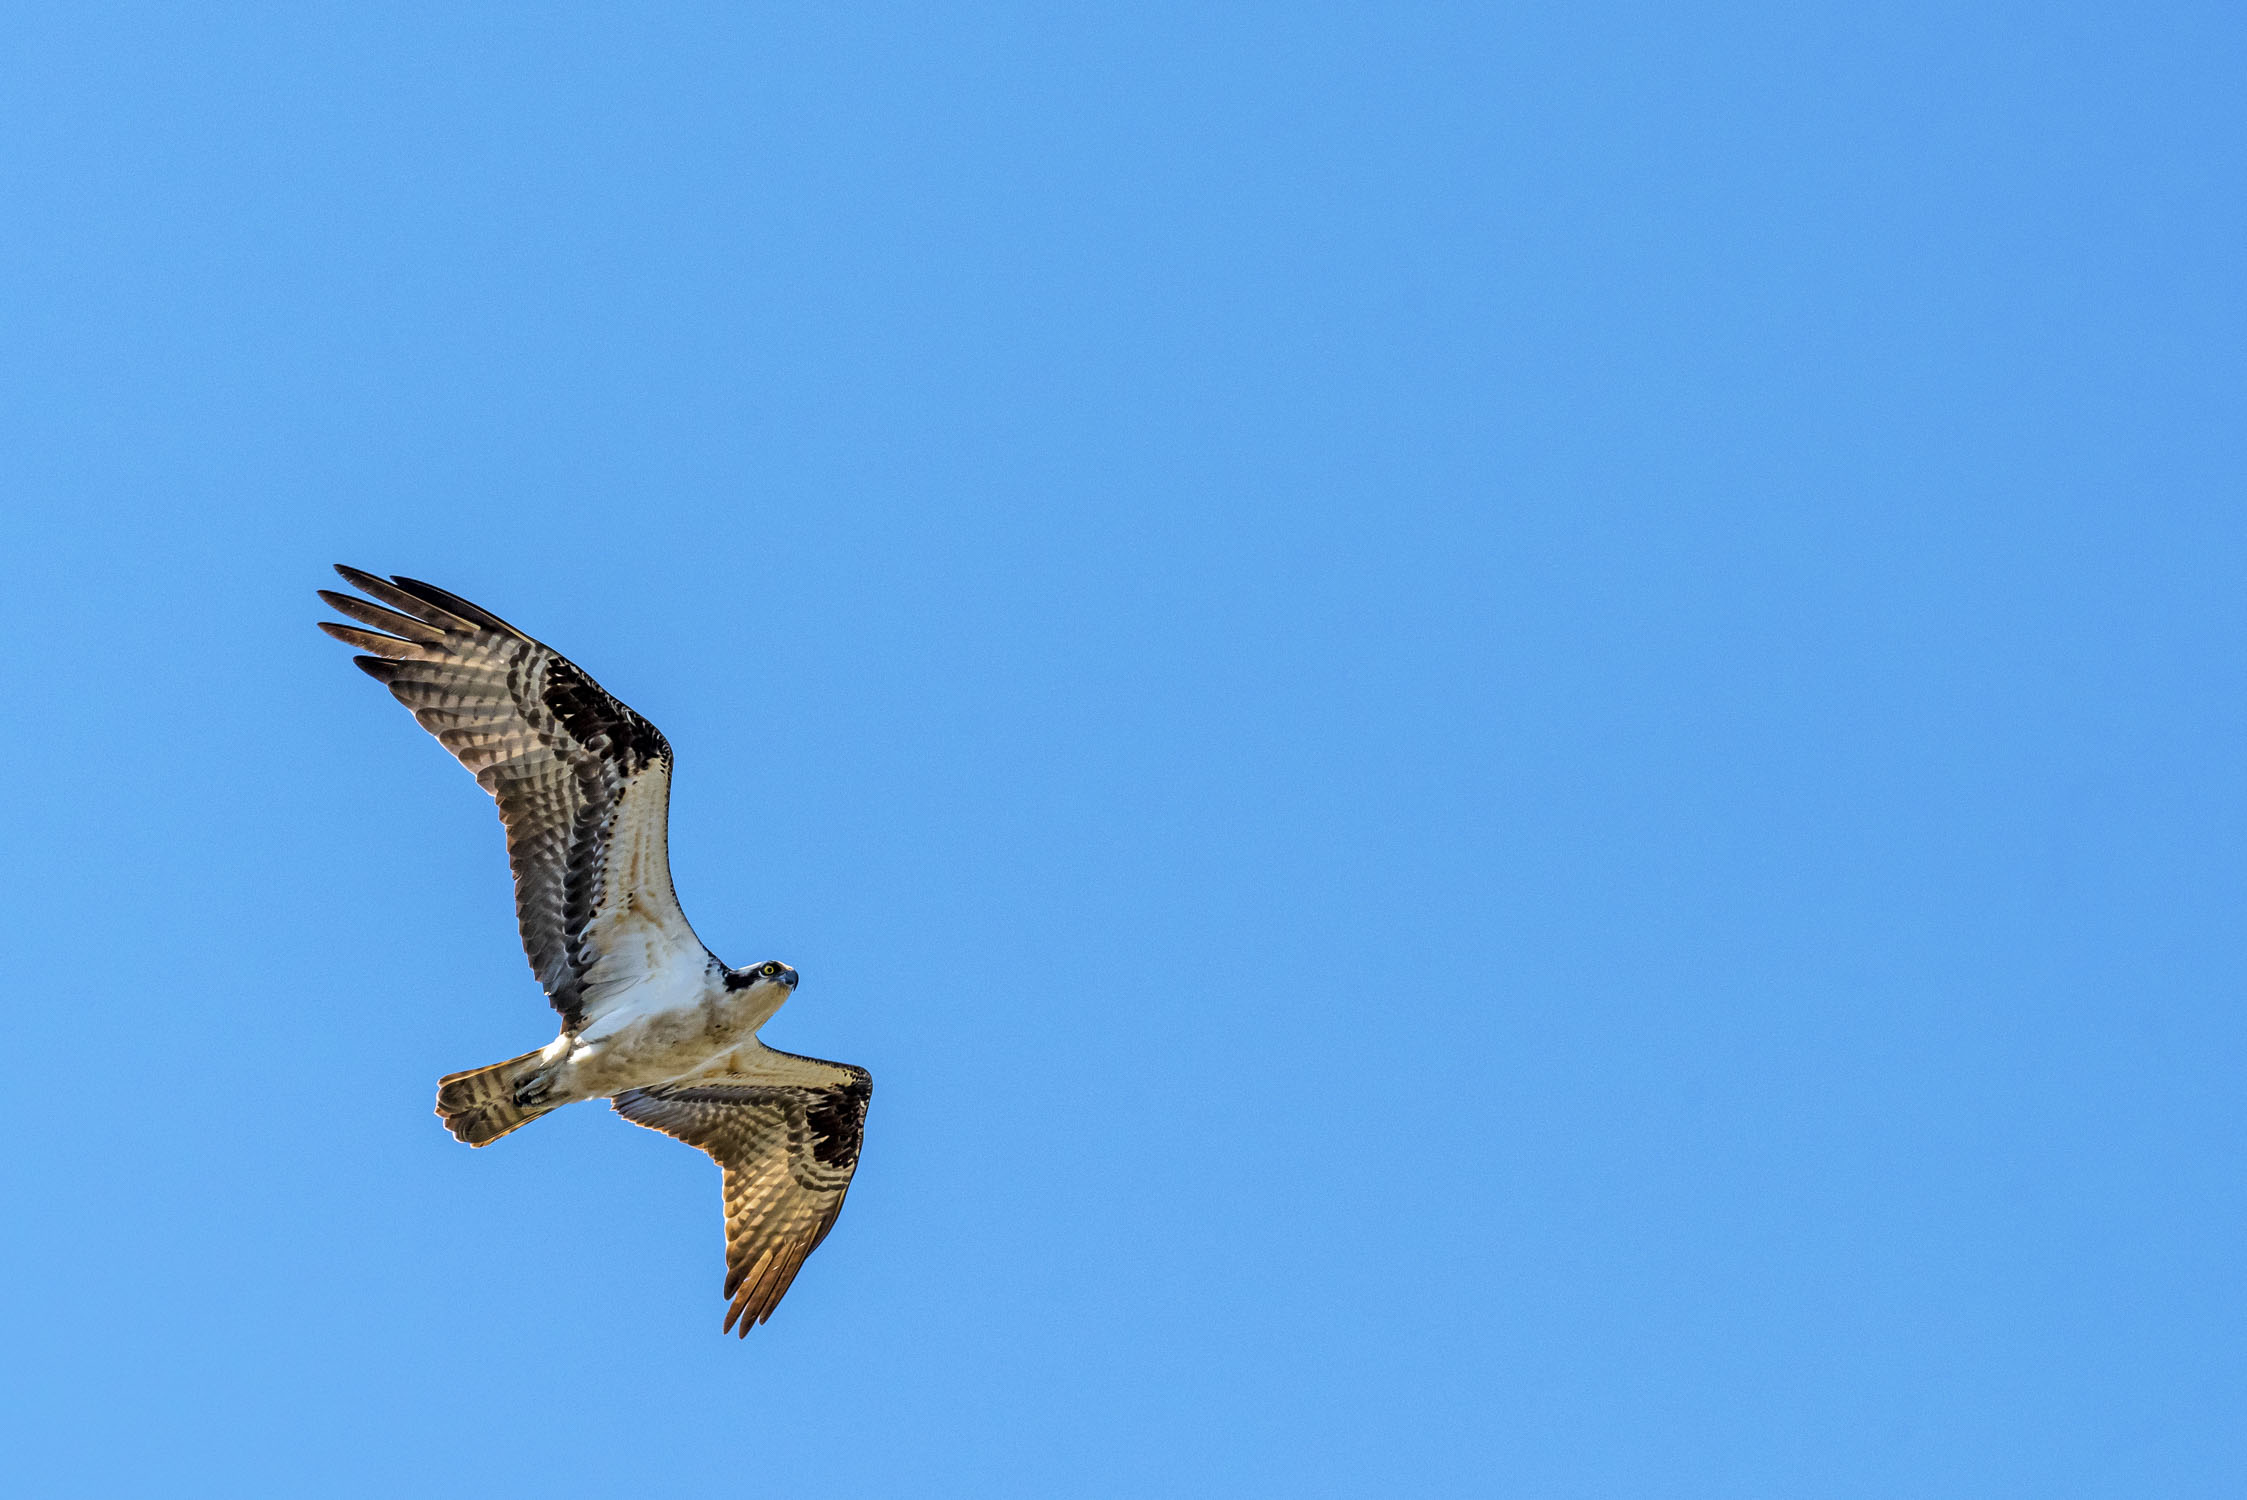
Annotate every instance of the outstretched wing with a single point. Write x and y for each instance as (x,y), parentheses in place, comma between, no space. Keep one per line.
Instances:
(788,1149)
(582,782)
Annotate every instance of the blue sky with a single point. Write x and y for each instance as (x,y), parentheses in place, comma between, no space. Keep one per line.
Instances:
(1514,732)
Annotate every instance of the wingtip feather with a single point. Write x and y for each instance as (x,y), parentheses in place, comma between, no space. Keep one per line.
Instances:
(415,603)
(356,577)
(373,641)
(389,621)
(452,604)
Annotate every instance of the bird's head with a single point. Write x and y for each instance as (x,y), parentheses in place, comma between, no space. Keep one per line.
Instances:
(754,993)
(763,976)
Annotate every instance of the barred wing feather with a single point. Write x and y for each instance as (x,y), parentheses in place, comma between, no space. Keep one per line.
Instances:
(583,783)
(787,1137)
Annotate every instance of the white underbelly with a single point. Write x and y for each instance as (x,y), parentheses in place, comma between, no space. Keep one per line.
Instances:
(644,1051)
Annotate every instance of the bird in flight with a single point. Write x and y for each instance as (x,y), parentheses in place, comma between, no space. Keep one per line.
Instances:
(651,1020)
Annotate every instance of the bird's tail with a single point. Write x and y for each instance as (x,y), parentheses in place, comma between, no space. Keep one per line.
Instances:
(480,1105)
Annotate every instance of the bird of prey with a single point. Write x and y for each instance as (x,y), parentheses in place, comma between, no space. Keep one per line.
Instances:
(651,1020)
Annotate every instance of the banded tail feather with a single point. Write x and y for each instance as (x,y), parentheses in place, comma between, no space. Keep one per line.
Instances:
(479,1106)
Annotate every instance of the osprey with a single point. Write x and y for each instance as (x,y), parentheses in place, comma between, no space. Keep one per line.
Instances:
(651,1020)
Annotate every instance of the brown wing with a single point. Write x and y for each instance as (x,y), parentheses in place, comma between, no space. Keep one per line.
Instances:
(788,1150)
(582,782)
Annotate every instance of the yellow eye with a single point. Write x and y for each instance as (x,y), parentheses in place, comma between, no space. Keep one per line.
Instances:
(769,970)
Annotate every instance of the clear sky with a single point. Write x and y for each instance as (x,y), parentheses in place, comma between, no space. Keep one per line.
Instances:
(1514,731)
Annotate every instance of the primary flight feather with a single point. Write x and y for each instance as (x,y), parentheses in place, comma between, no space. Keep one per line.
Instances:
(651,1020)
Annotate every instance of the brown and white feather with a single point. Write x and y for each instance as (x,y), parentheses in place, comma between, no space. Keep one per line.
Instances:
(786,1131)
(583,783)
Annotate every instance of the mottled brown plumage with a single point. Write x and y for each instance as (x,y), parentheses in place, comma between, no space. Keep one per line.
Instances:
(788,1151)
(556,753)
